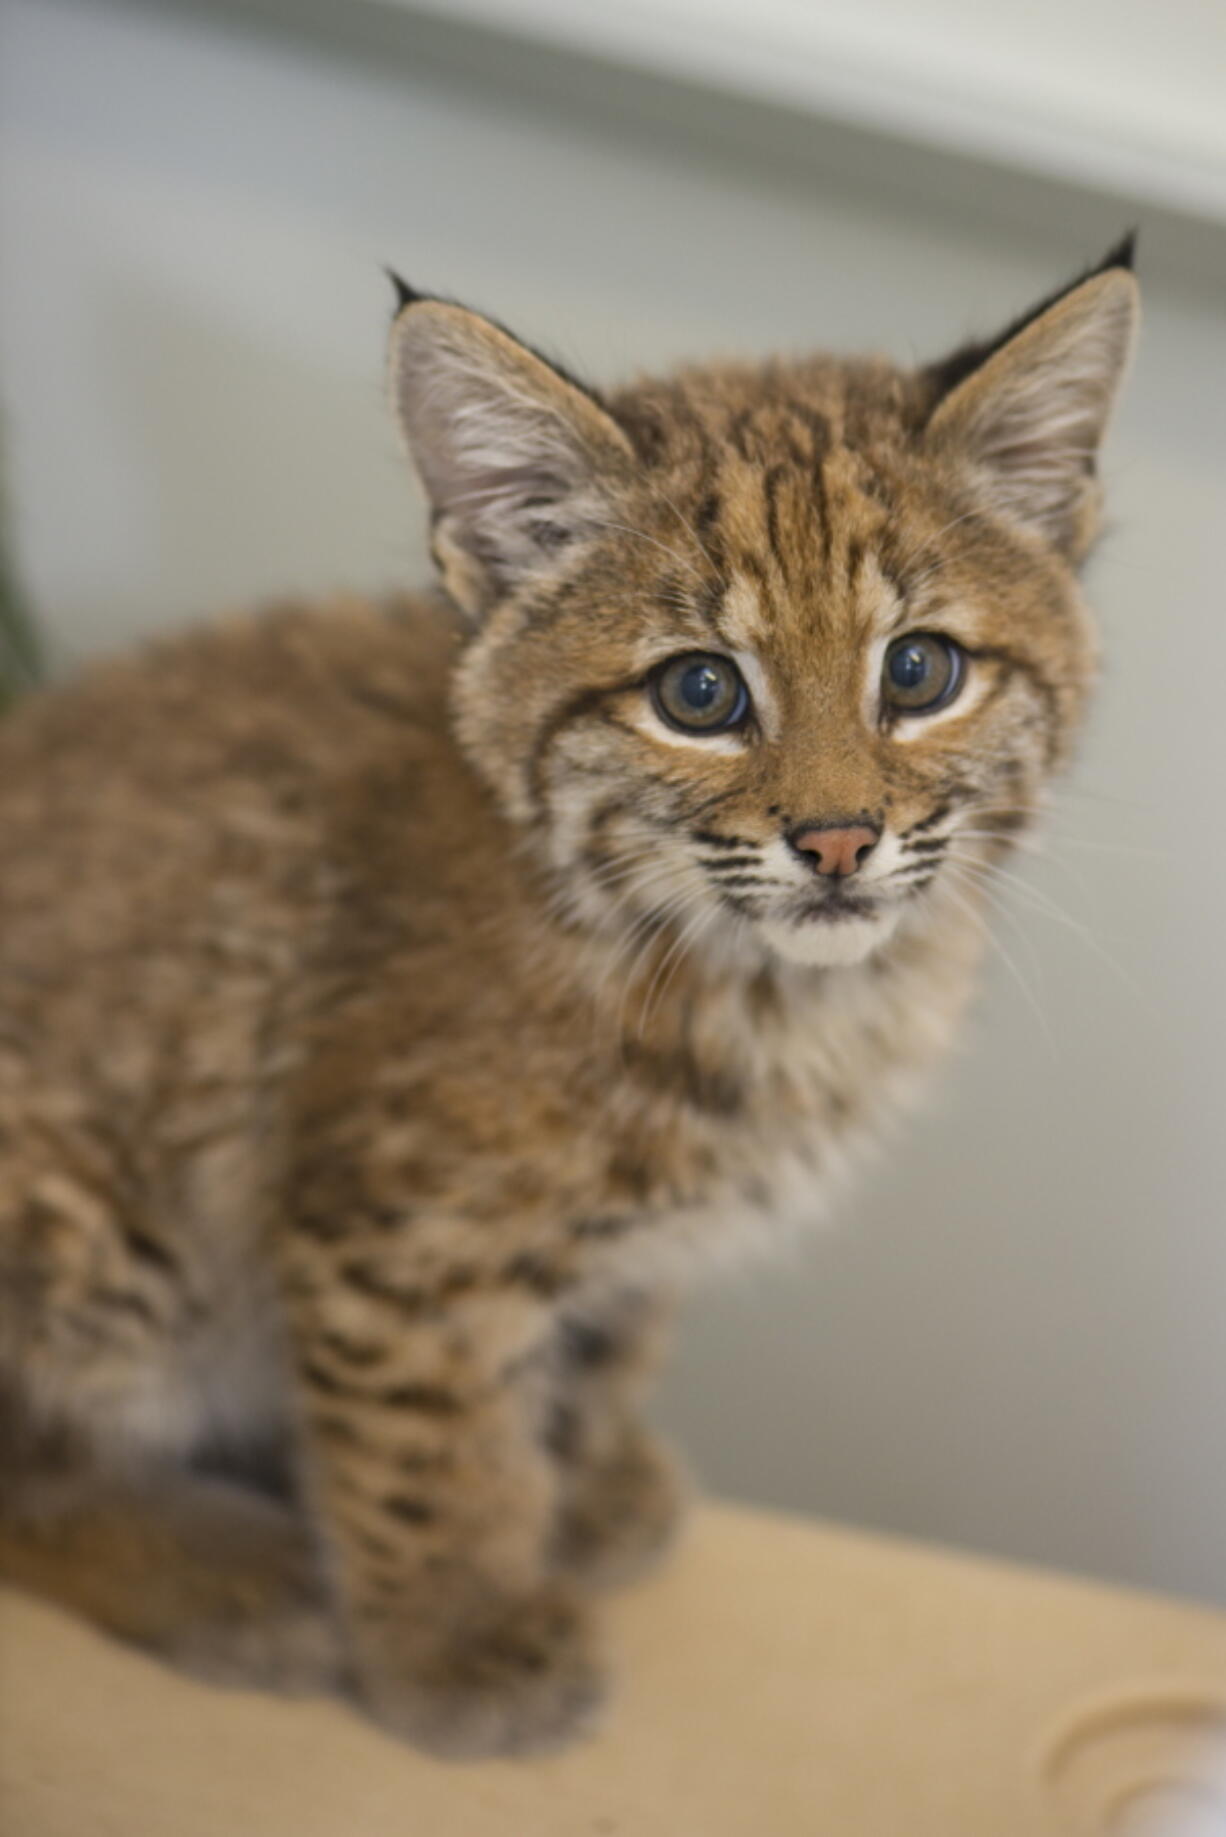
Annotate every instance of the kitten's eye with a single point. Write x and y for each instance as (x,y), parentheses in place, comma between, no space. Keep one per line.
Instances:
(700,693)
(922,672)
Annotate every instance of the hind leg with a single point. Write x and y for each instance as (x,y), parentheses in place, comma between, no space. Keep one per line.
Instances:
(204,1573)
(99,1508)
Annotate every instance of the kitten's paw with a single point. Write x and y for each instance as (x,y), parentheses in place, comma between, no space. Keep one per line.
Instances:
(621,1514)
(290,1648)
(522,1680)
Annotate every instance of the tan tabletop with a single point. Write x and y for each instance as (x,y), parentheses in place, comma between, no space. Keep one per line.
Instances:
(778,1678)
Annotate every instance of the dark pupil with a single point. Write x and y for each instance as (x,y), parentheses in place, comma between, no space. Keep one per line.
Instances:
(909,667)
(701,687)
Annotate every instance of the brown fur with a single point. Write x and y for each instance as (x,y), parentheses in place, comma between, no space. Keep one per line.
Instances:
(389,1013)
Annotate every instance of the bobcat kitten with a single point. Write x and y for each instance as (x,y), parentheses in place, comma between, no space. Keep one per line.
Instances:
(394,1000)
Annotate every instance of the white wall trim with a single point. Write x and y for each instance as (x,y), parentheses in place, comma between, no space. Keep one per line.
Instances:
(1140,117)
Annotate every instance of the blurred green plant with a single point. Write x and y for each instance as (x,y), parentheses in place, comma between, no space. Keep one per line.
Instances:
(21,663)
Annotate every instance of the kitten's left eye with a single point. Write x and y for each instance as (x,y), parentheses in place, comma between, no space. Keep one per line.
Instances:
(922,672)
(700,693)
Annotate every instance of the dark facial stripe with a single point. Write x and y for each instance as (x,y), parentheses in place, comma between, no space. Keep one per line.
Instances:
(737,434)
(707,516)
(772,481)
(704,807)
(708,604)
(821,506)
(929,822)
(731,864)
(710,839)
(856,556)
(1044,688)
(818,429)
(1008,822)
(576,708)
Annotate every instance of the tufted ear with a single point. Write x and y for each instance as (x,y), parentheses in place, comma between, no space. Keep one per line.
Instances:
(1030,408)
(516,457)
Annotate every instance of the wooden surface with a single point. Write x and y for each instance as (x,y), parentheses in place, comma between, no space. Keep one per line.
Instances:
(778,1678)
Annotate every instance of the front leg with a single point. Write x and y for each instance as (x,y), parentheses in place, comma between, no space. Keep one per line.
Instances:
(621,1492)
(435,1496)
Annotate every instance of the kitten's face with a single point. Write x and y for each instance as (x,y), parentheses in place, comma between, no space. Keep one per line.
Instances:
(771,655)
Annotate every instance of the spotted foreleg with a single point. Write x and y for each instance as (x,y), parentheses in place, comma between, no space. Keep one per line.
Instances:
(621,1491)
(437,1498)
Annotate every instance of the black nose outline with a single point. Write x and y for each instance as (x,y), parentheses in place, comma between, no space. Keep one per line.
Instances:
(812,860)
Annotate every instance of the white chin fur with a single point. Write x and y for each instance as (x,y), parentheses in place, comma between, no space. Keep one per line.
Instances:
(825,945)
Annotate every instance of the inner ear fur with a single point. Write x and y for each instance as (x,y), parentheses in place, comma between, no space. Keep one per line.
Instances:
(516,457)
(1030,415)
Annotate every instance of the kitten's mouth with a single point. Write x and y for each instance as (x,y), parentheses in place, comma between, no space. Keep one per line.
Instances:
(842,928)
(838,906)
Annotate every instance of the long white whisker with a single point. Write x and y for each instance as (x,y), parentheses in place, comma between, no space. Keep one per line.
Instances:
(998,903)
(926,542)
(686,525)
(628,530)
(632,972)
(1010,964)
(1046,907)
(664,974)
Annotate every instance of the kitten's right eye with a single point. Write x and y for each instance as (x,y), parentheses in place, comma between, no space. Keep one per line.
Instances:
(922,672)
(700,693)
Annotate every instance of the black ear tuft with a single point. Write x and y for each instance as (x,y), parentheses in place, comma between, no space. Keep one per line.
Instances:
(405,295)
(963,362)
(1123,255)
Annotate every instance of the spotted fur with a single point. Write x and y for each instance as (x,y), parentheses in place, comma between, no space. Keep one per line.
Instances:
(394,1007)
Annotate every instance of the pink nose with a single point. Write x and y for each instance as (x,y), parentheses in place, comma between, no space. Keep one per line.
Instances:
(836,851)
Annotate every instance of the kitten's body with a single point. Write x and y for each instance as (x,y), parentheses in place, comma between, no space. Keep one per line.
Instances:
(359,1100)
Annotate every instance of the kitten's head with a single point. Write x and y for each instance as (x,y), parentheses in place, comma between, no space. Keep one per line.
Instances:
(759,649)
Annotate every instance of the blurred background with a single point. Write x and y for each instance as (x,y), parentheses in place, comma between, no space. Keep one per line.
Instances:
(1014,1339)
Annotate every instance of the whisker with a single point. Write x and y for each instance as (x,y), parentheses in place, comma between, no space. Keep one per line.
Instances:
(926,542)
(1000,906)
(620,1023)
(1009,962)
(735,881)
(628,530)
(1046,907)
(692,932)
(658,491)
(708,804)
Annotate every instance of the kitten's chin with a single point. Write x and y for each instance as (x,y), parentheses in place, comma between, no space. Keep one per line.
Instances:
(829,943)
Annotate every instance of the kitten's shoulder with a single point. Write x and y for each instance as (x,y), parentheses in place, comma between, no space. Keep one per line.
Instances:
(311,681)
